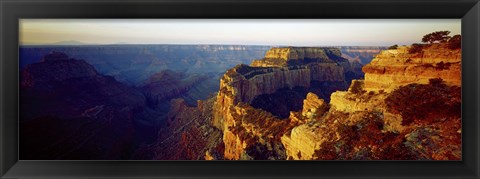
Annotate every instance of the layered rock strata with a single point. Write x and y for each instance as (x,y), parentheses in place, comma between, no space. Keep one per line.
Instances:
(393,68)
(246,128)
(300,143)
(407,108)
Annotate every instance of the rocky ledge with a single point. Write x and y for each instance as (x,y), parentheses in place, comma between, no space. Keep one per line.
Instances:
(393,68)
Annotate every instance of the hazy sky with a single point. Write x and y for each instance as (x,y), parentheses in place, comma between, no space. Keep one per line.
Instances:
(315,32)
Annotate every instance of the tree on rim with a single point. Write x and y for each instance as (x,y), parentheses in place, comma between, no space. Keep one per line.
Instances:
(438,36)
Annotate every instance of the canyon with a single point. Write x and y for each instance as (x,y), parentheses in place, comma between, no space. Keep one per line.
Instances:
(289,103)
(281,68)
(87,116)
(198,67)
(411,114)
(134,64)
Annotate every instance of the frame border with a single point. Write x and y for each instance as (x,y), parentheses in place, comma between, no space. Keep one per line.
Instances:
(467,10)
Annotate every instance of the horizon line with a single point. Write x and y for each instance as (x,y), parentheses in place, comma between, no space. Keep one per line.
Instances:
(185,44)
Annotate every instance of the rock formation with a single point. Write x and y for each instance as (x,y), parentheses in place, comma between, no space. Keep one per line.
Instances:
(313,106)
(249,82)
(250,133)
(407,108)
(293,104)
(393,68)
(281,56)
(412,117)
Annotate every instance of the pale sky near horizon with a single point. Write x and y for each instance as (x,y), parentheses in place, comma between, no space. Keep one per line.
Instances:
(293,32)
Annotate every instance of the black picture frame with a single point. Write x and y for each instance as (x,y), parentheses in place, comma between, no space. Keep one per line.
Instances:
(467,10)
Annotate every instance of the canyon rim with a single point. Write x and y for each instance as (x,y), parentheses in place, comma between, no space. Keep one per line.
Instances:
(242,102)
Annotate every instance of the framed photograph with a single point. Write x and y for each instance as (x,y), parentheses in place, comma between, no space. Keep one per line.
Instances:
(222,89)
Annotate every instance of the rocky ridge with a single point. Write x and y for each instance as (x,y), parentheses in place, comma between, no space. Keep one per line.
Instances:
(408,107)
(393,68)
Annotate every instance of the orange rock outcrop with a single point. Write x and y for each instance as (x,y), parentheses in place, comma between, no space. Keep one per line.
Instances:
(393,68)
(408,107)
(244,126)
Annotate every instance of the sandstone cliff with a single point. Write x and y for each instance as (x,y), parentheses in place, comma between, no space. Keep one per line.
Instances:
(403,119)
(408,107)
(301,142)
(394,68)
(246,82)
(287,56)
(250,133)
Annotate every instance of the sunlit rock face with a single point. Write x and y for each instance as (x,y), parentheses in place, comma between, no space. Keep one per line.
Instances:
(302,142)
(313,106)
(247,82)
(412,119)
(289,56)
(357,99)
(407,108)
(250,133)
(394,68)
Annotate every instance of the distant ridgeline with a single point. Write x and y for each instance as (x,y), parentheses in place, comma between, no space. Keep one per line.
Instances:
(134,64)
(361,54)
